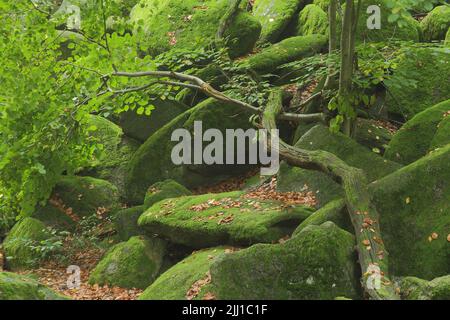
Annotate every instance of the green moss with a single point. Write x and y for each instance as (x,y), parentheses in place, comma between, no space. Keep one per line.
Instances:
(126,224)
(163,25)
(389,30)
(427,73)
(436,24)
(110,162)
(354,154)
(201,221)
(312,20)
(417,289)
(275,16)
(318,263)
(86,194)
(335,211)
(152,162)
(54,217)
(370,134)
(297,179)
(288,50)
(176,282)
(413,203)
(17,245)
(413,140)
(447,38)
(442,136)
(140,127)
(132,264)
(19,287)
(164,190)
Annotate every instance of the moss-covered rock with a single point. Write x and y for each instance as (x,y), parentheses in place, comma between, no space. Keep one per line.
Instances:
(189,24)
(164,190)
(152,162)
(417,289)
(415,138)
(125,222)
(420,80)
(335,211)
(410,31)
(82,196)
(435,25)
(275,16)
(19,287)
(288,50)
(370,134)
(297,179)
(175,283)
(218,219)
(312,20)
(318,263)
(18,244)
(110,163)
(414,207)
(141,127)
(132,264)
(447,38)
(354,154)
(442,136)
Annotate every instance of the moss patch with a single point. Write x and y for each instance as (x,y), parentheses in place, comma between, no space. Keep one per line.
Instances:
(371,135)
(417,289)
(217,219)
(132,264)
(297,179)
(140,127)
(413,204)
(125,222)
(413,140)
(17,245)
(164,190)
(354,154)
(435,25)
(176,282)
(318,263)
(18,287)
(288,50)
(312,20)
(191,24)
(275,16)
(152,162)
(442,136)
(428,73)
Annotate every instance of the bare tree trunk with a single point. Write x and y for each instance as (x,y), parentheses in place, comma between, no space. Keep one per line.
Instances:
(332,42)
(227,19)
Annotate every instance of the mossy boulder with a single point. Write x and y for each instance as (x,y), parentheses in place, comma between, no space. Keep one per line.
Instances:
(152,162)
(110,162)
(415,138)
(18,244)
(125,222)
(164,190)
(436,24)
(288,50)
(334,211)
(414,207)
(413,288)
(420,80)
(141,126)
(318,263)
(348,150)
(370,134)
(409,31)
(447,38)
(275,16)
(132,264)
(219,219)
(442,136)
(175,283)
(297,179)
(19,287)
(312,20)
(191,24)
